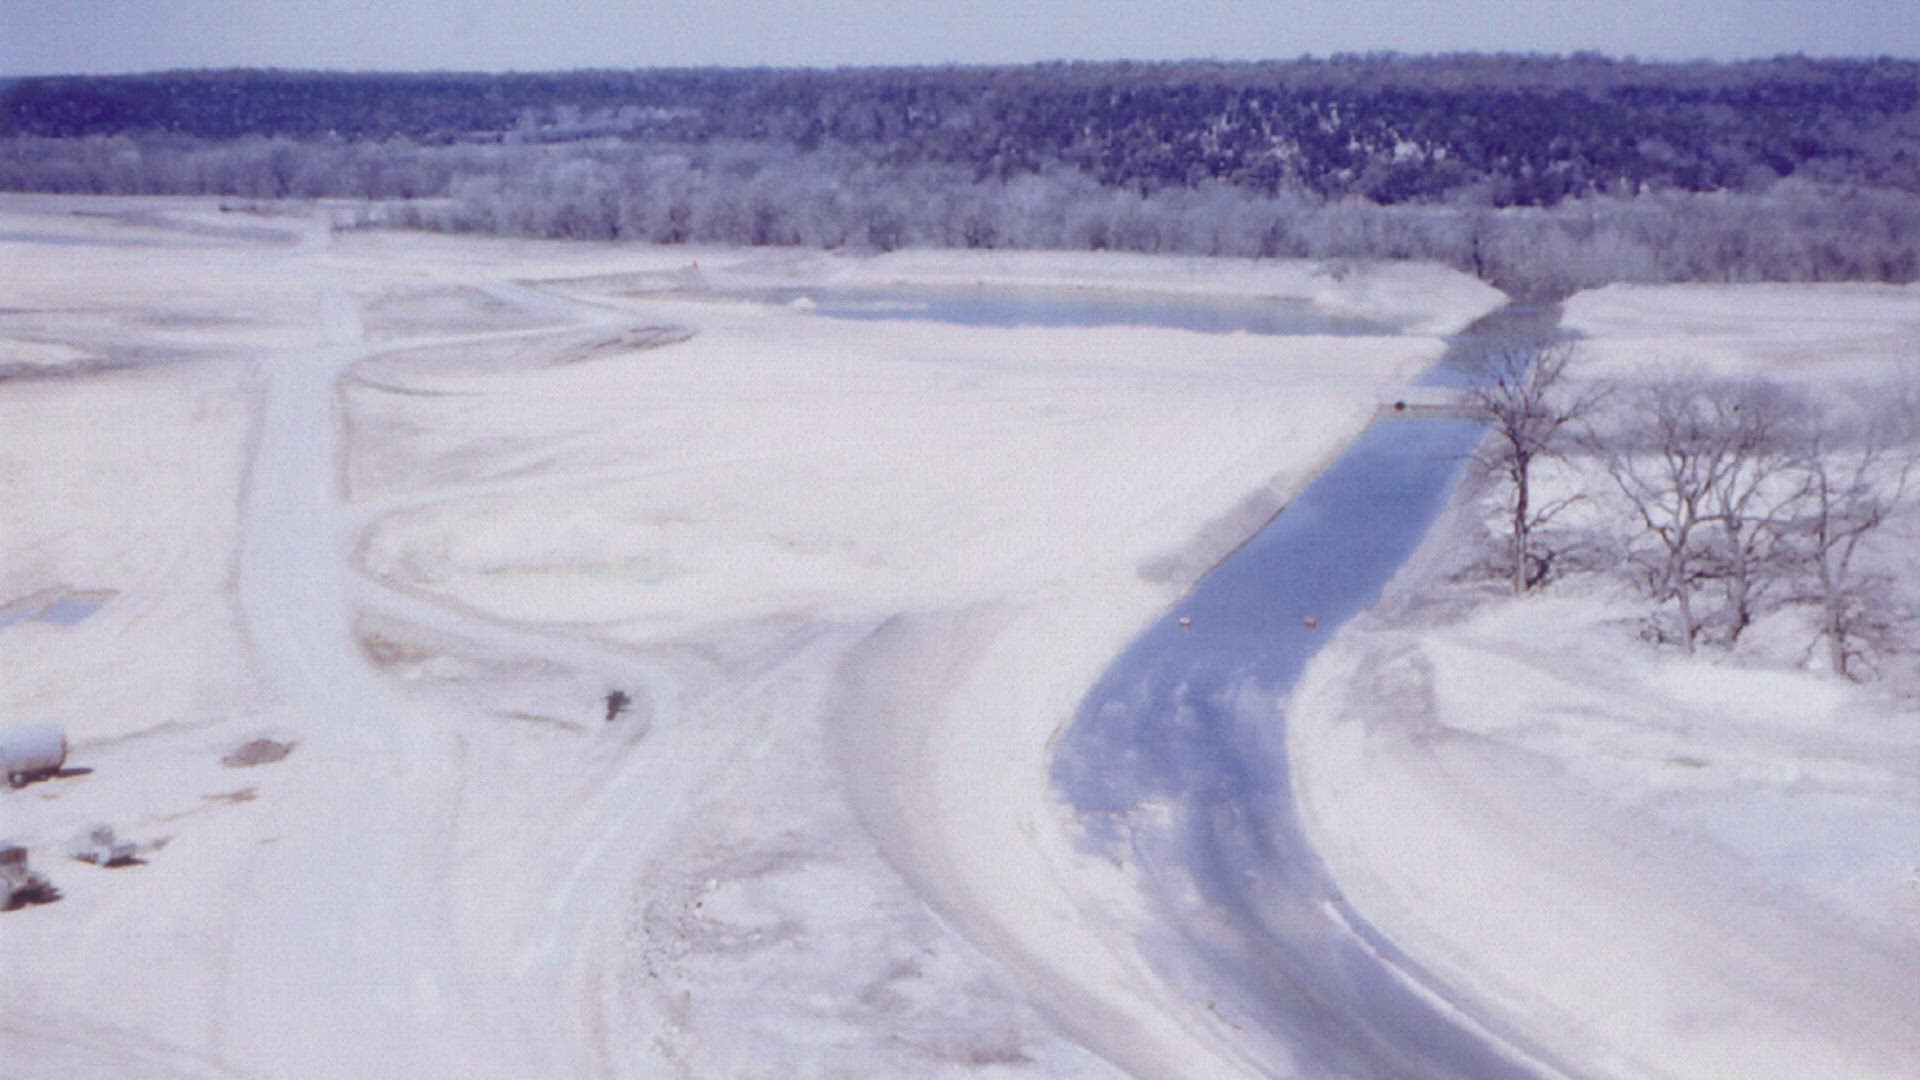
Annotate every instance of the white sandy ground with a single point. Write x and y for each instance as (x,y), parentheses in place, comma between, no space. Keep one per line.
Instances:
(853,575)
(1660,866)
(1822,332)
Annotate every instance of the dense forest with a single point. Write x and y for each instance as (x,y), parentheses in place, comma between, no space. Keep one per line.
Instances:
(1790,168)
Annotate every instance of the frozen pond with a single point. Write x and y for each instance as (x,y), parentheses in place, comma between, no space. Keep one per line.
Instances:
(1008,307)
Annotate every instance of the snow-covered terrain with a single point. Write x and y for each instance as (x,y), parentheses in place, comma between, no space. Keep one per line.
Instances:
(1662,866)
(414,506)
(408,508)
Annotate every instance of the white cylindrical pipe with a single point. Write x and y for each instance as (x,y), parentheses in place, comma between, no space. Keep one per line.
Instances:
(30,750)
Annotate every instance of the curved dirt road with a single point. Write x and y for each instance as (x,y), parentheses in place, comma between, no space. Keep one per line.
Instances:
(349,955)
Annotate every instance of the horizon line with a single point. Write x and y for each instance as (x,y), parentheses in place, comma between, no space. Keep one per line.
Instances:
(1373,55)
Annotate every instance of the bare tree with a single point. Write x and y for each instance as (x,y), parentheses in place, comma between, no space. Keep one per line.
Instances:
(1522,392)
(1761,424)
(1853,481)
(1671,455)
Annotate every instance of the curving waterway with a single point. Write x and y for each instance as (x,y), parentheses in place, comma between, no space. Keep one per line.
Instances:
(1177,763)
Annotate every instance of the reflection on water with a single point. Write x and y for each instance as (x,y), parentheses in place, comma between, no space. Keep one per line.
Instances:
(1515,325)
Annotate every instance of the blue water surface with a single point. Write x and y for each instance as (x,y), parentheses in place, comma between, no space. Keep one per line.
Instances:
(1176,763)
(1009,307)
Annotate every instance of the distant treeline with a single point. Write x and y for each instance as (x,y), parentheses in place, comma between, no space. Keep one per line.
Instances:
(1497,130)
(1790,168)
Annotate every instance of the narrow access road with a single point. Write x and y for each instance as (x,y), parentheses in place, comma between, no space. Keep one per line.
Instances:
(345,955)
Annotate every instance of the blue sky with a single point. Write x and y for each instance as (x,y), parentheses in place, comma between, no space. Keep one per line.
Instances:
(40,36)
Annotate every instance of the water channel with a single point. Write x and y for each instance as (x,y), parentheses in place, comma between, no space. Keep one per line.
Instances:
(1176,761)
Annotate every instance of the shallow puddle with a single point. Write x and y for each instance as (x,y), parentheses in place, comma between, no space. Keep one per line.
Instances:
(55,608)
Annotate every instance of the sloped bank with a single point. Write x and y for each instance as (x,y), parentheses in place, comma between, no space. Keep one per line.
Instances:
(1660,866)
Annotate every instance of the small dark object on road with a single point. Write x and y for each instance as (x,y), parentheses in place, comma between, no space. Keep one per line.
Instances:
(617,703)
(256,752)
